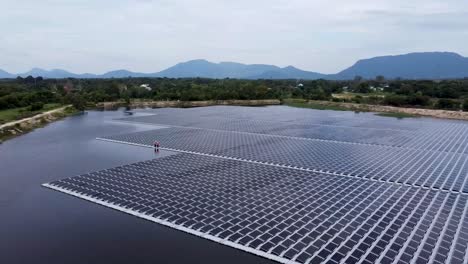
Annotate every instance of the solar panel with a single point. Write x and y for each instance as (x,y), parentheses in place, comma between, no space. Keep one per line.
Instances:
(287,215)
(295,186)
(432,169)
(414,134)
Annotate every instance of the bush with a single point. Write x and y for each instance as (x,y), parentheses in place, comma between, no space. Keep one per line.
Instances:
(465,105)
(395,100)
(373,99)
(418,99)
(36,106)
(357,99)
(319,94)
(3,103)
(448,104)
(76,100)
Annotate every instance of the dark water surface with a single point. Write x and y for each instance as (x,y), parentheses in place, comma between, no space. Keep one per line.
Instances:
(38,225)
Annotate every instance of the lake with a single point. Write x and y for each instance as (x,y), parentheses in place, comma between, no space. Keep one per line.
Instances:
(39,225)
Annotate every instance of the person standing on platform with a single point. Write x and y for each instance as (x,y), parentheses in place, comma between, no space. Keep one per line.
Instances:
(156,146)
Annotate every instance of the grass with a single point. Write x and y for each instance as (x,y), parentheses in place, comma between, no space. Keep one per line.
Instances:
(350,95)
(23,112)
(317,106)
(336,107)
(26,127)
(397,115)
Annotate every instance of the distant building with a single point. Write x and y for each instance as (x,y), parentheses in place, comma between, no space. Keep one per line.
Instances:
(300,85)
(376,89)
(146,86)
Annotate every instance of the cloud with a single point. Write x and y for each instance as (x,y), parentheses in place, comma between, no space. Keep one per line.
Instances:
(149,35)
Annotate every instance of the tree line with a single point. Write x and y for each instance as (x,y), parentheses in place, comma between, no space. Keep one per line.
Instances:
(444,94)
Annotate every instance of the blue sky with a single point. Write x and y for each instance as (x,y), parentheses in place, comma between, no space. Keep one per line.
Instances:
(147,36)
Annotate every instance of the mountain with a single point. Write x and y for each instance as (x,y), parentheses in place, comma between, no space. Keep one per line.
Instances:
(125,74)
(59,74)
(4,75)
(55,73)
(204,68)
(424,65)
(289,72)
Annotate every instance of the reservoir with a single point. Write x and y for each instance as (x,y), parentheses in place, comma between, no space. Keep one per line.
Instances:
(288,184)
(38,225)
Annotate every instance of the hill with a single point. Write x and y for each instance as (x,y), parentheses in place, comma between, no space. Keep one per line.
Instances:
(54,73)
(424,65)
(289,72)
(204,68)
(4,74)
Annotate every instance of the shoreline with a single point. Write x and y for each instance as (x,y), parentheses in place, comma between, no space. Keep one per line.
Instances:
(382,110)
(185,104)
(19,127)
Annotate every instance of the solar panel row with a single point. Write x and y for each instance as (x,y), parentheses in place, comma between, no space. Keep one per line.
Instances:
(286,214)
(419,135)
(296,115)
(327,132)
(446,170)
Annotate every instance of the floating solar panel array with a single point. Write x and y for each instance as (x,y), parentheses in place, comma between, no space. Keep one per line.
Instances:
(303,130)
(287,215)
(418,134)
(291,115)
(432,169)
(296,186)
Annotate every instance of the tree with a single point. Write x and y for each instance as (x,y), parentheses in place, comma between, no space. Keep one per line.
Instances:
(30,79)
(447,104)
(76,100)
(318,94)
(113,90)
(395,100)
(465,105)
(356,82)
(358,78)
(126,97)
(448,92)
(380,79)
(3,103)
(363,88)
(36,106)
(418,99)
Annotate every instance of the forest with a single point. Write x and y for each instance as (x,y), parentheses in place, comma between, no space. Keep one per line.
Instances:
(35,92)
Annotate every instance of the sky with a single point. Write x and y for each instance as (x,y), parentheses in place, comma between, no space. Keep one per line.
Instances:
(326,36)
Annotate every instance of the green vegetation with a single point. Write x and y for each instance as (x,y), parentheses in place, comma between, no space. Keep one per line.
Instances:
(397,115)
(23,96)
(24,112)
(314,105)
(19,129)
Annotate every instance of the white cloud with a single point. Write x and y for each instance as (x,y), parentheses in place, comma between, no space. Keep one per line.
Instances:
(146,35)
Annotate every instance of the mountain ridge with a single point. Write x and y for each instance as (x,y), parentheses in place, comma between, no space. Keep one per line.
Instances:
(417,65)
